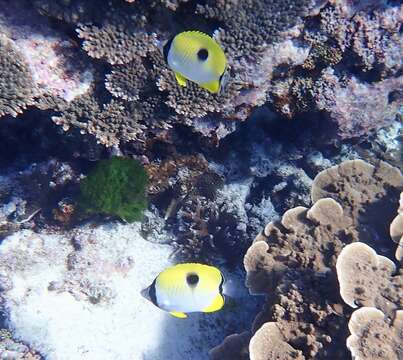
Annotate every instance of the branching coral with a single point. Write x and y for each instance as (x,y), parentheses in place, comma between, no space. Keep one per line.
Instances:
(116,44)
(17,88)
(110,124)
(40,65)
(126,82)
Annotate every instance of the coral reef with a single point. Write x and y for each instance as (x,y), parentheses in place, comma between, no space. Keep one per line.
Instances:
(396,230)
(351,58)
(375,337)
(312,86)
(115,187)
(368,279)
(269,343)
(295,57)
(43,65)
(17,87)
(10,349)
(293,261)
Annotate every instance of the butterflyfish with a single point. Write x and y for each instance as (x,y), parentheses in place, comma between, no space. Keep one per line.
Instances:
(187,288)
(197,57)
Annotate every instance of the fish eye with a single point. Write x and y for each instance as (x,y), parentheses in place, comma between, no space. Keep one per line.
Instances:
(192,279)
(202,54)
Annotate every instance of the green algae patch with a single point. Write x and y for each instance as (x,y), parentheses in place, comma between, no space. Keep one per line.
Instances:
(116,187)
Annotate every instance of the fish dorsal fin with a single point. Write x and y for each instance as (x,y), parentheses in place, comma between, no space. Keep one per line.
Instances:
(178,314)
(216,305)
(213,86)
(180,79)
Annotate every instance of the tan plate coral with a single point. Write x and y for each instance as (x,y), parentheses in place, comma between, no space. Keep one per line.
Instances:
(396,230)
(368,279)
(374,336)
(293,262)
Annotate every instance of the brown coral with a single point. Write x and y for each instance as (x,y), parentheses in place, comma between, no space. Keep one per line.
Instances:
(17,88)
(305,238)
(127,81)
(269,343)
(396,230)
(293,260)
(367,279)
(110,124)
(358,186)
(233,347)
(375,337)
(115,43)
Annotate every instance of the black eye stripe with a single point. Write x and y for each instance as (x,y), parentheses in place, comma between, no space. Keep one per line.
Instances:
(202,54)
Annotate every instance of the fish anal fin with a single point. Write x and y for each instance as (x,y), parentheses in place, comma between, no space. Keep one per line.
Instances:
(216,305)
(178,314)
(180,79)
(213,86)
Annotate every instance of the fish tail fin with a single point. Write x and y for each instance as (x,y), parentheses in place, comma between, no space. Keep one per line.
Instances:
(213,86)
(178,314)
(180,79)
(216,305)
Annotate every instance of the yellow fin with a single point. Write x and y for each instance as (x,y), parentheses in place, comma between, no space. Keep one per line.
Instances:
(216,305)
(180,79)
(213,86)
(178,314)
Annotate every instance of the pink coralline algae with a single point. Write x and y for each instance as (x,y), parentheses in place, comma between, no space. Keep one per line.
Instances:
(52,60)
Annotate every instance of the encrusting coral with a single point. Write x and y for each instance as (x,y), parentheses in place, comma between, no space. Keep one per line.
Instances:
(293,261)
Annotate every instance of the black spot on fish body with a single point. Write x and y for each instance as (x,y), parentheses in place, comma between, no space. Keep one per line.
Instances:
(192,279)
(202,54)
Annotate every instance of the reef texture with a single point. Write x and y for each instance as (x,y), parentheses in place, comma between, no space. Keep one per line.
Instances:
(293,262)
(374,336)
(368,279)
(39,65)
(396,230)
(306,57)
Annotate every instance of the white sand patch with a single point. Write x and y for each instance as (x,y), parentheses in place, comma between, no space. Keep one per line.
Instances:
(83,301)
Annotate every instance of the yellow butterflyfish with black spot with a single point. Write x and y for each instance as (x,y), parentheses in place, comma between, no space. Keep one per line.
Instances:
(197,57)
(186,288)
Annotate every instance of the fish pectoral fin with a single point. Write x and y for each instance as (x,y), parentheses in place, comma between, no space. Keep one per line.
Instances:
(178,314)
(216,305)
(213,86)
(180,79)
